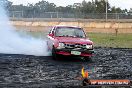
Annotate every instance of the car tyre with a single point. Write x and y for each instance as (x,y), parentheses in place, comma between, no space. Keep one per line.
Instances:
(87,59)
(54,55)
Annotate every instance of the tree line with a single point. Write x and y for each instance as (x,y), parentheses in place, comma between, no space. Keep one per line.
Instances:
(85,7)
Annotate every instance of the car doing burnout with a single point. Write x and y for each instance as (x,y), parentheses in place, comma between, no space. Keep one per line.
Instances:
(69,41)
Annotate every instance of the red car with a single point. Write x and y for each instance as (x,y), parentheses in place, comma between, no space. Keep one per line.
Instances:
(69,41)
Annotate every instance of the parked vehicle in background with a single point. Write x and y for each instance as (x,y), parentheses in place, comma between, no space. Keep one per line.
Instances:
(69,41)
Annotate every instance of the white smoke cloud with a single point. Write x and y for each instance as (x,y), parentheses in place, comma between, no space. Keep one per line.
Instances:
(12,43)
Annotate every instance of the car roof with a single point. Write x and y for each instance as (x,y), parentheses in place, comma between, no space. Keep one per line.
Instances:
(67,26)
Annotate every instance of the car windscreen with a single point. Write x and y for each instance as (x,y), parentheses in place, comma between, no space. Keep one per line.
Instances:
(69,32)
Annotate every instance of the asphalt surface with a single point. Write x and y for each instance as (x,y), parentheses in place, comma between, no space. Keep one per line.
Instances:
(23,71)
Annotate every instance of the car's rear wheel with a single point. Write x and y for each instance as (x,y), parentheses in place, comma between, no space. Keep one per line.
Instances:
(54,55)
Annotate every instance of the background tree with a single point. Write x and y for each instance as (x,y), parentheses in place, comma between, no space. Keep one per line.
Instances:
(101,6)
(86,7)
(45,6)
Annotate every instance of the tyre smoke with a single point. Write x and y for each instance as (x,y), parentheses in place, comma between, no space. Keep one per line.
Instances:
(12,43)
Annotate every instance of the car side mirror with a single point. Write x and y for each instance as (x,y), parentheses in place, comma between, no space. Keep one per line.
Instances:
(51,35)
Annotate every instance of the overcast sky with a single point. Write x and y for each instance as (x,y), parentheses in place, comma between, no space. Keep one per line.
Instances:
(118,3)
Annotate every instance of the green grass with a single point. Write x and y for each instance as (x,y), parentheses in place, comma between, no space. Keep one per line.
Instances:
(100,39)
(111,40)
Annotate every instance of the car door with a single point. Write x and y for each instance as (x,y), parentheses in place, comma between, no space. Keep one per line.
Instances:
(50,38)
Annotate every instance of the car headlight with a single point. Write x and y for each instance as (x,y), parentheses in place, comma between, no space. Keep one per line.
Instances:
(61,45)
(89,46)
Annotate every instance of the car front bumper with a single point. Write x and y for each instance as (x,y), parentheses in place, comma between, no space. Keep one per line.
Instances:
(67,52)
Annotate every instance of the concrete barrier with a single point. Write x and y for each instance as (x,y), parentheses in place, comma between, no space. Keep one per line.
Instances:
(102,27)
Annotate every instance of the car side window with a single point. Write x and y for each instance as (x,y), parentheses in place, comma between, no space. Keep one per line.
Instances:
(51,31)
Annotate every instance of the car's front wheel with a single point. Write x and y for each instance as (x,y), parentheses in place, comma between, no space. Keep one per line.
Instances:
(87,58)
(54,55)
